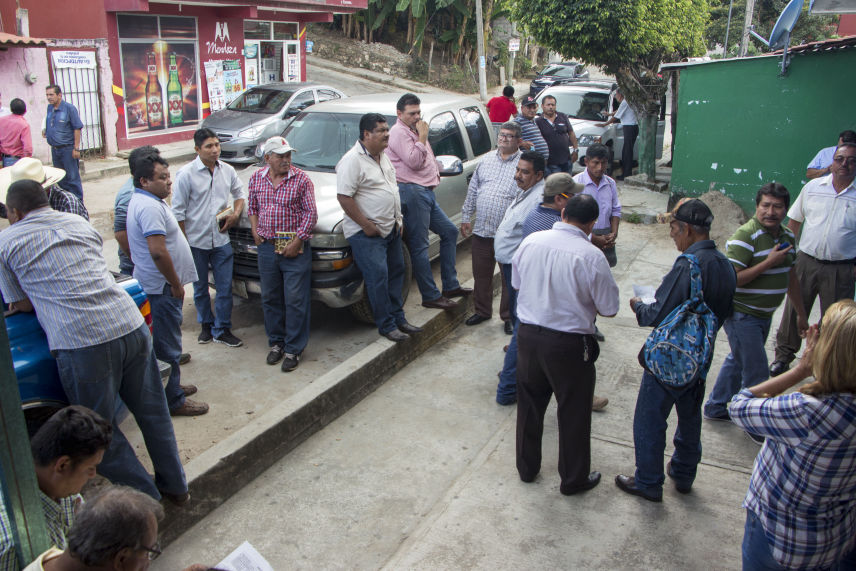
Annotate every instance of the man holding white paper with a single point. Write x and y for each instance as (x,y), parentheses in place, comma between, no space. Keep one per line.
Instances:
(207,200)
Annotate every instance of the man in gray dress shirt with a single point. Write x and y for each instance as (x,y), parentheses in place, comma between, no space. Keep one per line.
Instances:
(205,190)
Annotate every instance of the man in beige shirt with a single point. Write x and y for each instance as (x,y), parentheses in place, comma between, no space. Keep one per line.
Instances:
(368,193)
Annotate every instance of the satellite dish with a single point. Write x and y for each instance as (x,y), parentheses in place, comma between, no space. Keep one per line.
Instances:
(781,34)
(780,37)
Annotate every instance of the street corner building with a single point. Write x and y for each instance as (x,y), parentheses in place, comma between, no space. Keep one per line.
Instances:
(147,72)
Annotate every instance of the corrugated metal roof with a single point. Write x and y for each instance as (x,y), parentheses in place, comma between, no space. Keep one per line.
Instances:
(11,40)
(821,46)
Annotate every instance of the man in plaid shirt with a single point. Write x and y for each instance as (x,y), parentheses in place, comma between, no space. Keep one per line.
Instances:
(491,190)
(282,200)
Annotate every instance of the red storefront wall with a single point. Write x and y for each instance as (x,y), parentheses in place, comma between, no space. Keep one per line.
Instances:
(210,46)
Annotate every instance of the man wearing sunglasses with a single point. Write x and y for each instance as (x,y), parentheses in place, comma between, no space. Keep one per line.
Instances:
(823,218)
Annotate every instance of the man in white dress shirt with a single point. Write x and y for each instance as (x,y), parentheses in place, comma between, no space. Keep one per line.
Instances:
(823,218)
(564,281)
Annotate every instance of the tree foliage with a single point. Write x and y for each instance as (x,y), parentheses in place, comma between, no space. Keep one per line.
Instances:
(628,38)
(809,28)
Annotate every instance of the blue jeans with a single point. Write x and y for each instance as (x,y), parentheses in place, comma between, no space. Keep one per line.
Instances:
(757,551)
(653,405)
(9,161)
(381,262)
(506,390)
(219,260)
(286,296)
(422,213)
(61,157)
(552,169)
(167,315)
(126,367)
(746,365)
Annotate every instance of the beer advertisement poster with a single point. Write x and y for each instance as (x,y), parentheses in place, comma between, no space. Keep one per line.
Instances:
(160,83)
(233,79)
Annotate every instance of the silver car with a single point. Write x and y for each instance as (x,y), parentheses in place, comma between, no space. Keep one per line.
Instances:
(460,133)
(260,113)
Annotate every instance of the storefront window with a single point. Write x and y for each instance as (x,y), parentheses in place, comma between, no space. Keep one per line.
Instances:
(160,75)
(284,31)
(138,26)
(254,30)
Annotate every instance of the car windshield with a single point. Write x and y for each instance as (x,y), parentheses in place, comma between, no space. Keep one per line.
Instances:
(322,138)
(564,71)
(261,100)
(589,105)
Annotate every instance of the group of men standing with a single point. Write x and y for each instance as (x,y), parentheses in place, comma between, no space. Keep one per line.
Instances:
(62,130)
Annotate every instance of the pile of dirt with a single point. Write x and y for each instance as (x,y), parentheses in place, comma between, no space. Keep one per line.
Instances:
(376,56)
(727,216)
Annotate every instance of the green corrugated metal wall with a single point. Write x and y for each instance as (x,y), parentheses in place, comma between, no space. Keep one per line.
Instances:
(740,125)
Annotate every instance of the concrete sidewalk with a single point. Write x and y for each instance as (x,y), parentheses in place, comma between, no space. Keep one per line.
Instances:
(420,474)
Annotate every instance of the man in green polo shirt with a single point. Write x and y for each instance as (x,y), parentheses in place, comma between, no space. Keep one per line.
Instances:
(762,253)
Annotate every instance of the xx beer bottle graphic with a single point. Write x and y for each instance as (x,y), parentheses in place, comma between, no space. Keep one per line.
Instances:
(154,96)
(174,96)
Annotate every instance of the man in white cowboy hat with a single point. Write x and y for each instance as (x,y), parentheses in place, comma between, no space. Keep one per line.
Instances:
(29,168)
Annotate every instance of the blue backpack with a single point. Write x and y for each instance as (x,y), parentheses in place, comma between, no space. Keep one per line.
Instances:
(679,350)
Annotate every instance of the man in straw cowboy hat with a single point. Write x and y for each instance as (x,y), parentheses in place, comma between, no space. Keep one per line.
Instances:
(29,168)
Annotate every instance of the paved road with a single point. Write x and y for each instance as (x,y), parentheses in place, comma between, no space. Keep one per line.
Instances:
(420,474)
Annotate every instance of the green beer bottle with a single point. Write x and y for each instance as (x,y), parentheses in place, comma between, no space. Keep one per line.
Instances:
(174,97)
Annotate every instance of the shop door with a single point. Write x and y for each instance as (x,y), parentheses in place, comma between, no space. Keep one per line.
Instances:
(291,63)
(76,73)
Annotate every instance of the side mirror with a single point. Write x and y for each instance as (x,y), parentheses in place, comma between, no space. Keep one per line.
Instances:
(449,165)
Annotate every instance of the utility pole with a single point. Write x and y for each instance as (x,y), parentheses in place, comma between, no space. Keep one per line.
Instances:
(747,24)
(480,45)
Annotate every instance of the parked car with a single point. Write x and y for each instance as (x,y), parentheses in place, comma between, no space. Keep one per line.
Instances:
(260,113)
(35,368)
(460,134)
(557,73)
(587,104)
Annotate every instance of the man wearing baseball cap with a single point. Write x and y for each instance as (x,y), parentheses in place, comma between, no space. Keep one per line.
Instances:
(689,228)
(282,214)
(29,168)
(531,138)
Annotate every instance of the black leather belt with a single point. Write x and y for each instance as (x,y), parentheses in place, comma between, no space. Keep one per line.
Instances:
(849,262)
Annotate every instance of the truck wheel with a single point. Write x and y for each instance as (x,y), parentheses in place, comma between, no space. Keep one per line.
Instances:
(362,310)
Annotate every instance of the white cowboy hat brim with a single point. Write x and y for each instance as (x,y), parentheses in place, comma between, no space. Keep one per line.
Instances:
(52,176)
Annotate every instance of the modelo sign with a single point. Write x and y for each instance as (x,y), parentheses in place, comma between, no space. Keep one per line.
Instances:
(221,44)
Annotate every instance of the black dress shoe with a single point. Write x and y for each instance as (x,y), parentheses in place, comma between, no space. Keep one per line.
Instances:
(440,303)
(396,335)
(628,484)
(778,367)
(409,328)
(679,486)
(593,480)
(458,292)
(508,328)
(475,319)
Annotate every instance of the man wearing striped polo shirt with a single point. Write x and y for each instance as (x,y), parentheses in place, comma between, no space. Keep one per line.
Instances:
(762,253)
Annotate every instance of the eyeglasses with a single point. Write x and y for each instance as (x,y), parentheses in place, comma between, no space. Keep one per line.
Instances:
(506,136)
(565,195)
(153,552)
(851,161)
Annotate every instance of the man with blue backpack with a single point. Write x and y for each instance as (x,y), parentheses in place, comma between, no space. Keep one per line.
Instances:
(690,306)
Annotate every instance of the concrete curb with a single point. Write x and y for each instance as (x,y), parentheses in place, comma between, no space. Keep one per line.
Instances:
(119,165)
(222,470)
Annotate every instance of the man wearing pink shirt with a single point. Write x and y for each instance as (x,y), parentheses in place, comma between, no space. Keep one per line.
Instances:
(15,140)
(417,175)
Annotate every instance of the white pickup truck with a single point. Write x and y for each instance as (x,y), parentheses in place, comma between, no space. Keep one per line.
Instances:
(586,104)
(460,134)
